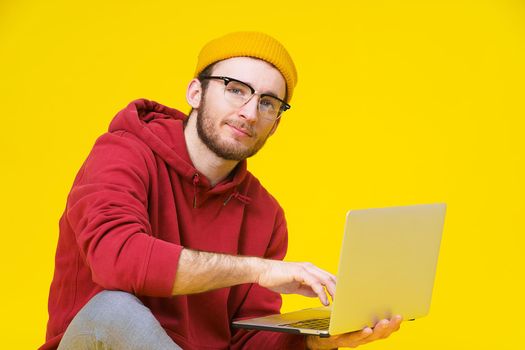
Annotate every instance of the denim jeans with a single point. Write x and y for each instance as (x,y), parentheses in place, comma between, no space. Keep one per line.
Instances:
(115,320)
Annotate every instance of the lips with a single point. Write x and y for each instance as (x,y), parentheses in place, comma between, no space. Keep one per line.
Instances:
(240,129)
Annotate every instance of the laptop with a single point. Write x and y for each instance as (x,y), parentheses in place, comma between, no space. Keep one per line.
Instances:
(386,267)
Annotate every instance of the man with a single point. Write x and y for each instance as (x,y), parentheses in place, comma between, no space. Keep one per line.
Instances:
(166,237)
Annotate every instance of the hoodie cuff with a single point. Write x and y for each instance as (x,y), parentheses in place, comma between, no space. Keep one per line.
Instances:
(161,269)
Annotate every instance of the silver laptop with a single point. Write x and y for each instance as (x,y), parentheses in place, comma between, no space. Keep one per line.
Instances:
(386,267)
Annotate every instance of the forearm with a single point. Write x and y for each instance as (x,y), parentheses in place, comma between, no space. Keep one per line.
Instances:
(203,271)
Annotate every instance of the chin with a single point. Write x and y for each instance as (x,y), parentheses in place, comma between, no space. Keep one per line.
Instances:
(237,146)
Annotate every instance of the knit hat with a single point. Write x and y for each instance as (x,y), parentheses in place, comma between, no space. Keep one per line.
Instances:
(250,44)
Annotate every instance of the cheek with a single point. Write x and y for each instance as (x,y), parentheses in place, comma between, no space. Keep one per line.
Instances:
(264,130)
(215,111)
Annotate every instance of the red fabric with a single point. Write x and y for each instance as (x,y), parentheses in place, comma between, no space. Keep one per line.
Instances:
(130,212)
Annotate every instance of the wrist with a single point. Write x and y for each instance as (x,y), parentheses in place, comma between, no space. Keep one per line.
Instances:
(256,266)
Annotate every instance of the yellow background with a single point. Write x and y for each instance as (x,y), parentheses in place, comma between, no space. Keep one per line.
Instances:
(398,102)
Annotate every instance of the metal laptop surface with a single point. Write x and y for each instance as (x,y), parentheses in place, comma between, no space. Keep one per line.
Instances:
(387,266)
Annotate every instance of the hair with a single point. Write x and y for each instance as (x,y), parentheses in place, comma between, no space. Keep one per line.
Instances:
(206,72)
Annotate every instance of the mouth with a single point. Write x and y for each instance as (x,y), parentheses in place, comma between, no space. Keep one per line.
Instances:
(240,130)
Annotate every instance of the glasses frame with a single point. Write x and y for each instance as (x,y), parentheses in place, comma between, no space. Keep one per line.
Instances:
(284,106)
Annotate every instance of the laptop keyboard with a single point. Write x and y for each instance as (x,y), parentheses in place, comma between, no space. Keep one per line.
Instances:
(315,323)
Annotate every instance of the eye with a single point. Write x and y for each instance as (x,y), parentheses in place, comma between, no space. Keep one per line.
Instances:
(268,103)
(237,89)
(234,91)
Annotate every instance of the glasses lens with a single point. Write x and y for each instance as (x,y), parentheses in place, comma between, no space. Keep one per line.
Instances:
(237,93)
(269,106)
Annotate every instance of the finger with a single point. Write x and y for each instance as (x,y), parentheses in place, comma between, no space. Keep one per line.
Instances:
(325,278)
(397,319)
(364,333)
(317,288)
(354,339)
(331,290)
(383,329)
(333,277)
(380,331)
(375,333)
(329,275)
(306,276)
(329,281)
(395,324)
(325,284)
(321,293)
(305,290)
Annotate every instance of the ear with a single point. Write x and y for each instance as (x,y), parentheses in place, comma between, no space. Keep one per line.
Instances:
(194,93)
(275,126)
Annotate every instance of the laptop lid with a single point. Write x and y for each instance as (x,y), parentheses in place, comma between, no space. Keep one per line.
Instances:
(387,265)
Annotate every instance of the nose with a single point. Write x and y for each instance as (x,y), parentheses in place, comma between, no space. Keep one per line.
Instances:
(249,110)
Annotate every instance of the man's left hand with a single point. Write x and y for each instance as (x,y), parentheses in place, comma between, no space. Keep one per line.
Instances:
(381,330)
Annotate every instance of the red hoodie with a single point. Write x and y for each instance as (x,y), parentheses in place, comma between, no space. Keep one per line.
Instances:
(135,203)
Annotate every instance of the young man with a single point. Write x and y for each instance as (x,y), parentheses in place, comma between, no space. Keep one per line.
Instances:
(167,238)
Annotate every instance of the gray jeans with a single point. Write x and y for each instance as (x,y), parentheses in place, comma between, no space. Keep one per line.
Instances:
(115,320)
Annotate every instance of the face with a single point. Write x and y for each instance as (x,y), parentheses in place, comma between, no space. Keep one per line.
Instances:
(236,133)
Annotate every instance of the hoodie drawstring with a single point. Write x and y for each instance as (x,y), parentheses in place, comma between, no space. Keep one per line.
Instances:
(236,194)
(195,182)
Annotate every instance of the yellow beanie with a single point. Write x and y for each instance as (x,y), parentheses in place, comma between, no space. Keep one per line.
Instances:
(250,44)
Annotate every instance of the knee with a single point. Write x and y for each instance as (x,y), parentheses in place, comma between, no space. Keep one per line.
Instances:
(111,318)
(109,308)
(114,299)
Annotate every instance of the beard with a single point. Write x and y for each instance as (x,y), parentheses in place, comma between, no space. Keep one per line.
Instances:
(210,136)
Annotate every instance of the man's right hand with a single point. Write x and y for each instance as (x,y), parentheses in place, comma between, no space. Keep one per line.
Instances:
(297,278)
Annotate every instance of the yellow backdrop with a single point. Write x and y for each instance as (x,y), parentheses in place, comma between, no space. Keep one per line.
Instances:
(398,102)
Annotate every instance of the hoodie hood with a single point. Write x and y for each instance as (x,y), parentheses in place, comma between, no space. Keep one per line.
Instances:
(161,128)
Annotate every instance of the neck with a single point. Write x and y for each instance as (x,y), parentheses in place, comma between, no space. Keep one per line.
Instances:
(204,160)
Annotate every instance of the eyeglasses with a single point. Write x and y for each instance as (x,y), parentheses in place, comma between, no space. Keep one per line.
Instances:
(239,93)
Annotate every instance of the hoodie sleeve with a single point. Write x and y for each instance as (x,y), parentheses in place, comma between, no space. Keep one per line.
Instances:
(107,209)
(260,301)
